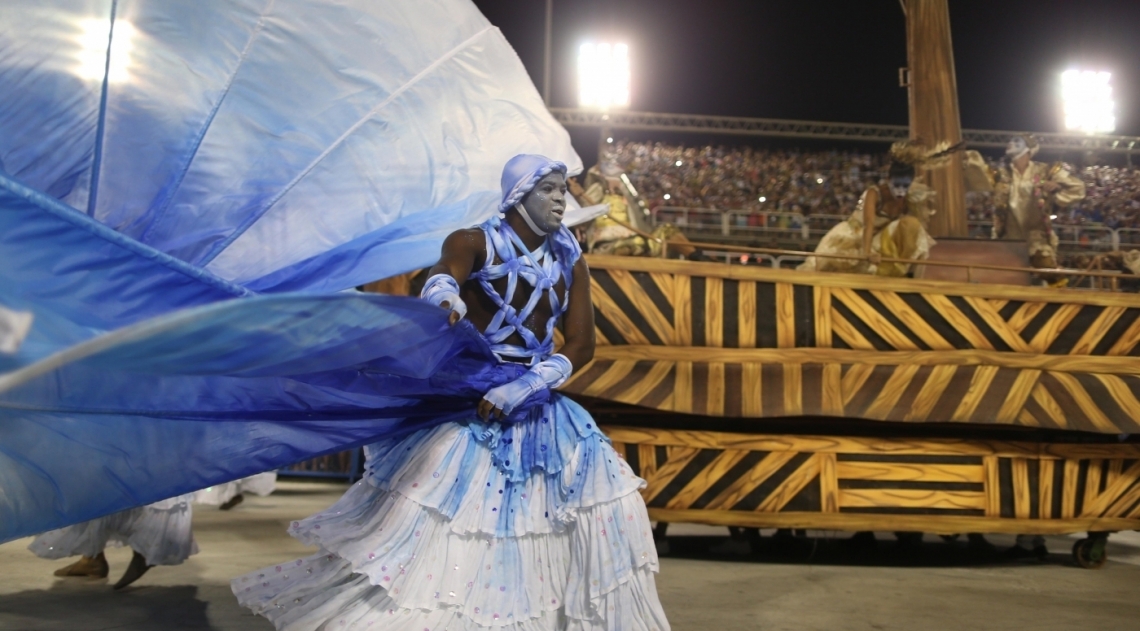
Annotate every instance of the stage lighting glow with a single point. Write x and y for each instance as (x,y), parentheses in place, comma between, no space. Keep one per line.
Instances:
(603,76)
(667,197)
(92,56)
(1088,104)
(763,199)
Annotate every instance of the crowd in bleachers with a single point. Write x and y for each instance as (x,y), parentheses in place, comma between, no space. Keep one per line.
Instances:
(818,185)
(749,179)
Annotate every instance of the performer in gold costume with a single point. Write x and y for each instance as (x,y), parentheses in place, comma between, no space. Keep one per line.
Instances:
(1026,195)
(608,234)
(889,220)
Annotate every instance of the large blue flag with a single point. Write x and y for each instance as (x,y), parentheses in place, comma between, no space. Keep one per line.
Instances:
(185,185)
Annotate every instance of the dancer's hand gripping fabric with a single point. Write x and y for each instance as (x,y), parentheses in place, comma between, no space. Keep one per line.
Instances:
(503,400)
(442,291)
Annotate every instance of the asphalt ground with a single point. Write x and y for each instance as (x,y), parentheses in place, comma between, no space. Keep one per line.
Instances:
(708,580)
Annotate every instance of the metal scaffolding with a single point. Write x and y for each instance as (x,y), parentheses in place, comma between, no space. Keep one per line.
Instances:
(771,127)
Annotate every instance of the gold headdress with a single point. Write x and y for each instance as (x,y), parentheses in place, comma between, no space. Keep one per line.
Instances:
(918,155)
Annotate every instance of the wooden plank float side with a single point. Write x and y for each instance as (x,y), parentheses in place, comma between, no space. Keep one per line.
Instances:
(963,386)
(892,483)
(753,343)
(1104,365)
(871,446)
(859,281)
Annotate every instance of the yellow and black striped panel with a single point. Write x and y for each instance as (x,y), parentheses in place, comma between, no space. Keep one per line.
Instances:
(748,342)
(746,474)
(632,308)
(652,308)
(908,392)
(1065,489)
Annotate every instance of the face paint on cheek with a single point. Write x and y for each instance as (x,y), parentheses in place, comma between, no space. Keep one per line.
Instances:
(544,206)
(900,187)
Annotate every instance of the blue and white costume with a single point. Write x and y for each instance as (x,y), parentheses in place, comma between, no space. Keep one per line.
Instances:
(528,525)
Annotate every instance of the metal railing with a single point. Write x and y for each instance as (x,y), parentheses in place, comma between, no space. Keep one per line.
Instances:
(810,228)
(771,127)
(788,224)
(785,259)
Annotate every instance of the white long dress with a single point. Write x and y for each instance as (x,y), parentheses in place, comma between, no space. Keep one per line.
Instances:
(160,532)
(261,484)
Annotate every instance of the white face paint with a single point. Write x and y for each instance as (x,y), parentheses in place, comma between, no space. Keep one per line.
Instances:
(543,207)
(900,186)
(1016,147)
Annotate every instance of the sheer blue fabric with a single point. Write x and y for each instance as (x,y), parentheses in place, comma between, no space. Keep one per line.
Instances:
(95,420)
(270,142)
(183,186)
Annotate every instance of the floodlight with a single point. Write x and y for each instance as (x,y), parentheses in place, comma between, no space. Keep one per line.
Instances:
(603,76)
(92,57)
(1088,104)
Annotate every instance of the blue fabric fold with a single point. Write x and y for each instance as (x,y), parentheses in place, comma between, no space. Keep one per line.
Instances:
(109,405)
(215,393)
(186,333)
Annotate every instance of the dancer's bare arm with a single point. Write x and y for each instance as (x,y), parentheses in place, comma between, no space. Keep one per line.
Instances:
(578,326)
(457,258)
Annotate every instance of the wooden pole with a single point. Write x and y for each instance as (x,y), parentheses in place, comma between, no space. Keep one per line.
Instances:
(934,118)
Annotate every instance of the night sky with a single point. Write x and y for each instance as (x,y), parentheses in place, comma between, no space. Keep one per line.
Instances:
(838,60)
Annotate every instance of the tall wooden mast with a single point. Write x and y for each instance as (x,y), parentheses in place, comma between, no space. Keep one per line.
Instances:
(934,106)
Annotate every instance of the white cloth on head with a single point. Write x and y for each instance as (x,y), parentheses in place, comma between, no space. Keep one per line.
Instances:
(160,532)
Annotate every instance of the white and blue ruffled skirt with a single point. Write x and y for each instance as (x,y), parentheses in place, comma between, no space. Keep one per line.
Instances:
(526,526)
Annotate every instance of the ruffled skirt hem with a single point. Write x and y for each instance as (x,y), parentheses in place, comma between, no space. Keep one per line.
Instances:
(445,540)
(160,532)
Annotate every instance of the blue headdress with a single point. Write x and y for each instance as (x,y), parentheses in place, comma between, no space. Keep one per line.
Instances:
(521,175)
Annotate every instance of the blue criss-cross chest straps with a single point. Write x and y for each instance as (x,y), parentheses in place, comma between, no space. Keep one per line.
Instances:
(541,269)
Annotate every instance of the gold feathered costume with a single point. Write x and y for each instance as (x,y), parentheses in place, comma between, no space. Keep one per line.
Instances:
(902,237)
(1022,207)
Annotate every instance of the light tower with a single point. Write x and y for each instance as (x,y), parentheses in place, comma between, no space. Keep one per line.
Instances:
(603,82)
(1087,103)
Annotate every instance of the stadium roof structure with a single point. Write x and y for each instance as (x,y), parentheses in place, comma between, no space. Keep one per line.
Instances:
(772,127)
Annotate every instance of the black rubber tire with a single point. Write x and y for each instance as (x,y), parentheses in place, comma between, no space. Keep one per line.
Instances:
(1082,549)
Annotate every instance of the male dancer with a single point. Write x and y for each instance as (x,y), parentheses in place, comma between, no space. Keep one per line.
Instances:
(1025,197)
(521,516)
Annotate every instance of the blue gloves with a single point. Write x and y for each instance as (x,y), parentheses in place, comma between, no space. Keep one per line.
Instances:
(442,288)
(547,374)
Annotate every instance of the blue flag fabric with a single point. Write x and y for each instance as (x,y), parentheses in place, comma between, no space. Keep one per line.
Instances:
(186,189)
